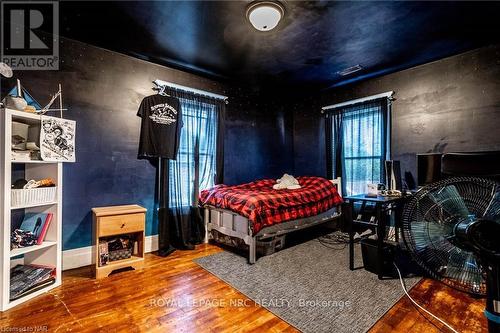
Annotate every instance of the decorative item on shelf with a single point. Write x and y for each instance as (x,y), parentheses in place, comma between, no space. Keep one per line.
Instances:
(120,254)
(33,196)
(33,192)
(38,224)
(25,279)
(22,238)
(22,156)
(23,148)
(14,100)
(120,248)
(46,182)
(32,230)
(25,184)
(46,108)
(103,253)
(19,135)
(20,99)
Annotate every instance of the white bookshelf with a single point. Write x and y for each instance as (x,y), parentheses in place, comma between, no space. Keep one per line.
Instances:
(50,251)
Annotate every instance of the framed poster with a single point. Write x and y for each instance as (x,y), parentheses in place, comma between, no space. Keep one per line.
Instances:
(57,139)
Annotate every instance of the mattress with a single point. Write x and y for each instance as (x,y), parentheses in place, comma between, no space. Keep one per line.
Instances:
(265,206)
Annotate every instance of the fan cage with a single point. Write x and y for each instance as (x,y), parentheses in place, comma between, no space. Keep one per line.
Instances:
(427,228)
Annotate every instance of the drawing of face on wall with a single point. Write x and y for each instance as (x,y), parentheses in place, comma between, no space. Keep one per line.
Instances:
(47,126)
(57,139)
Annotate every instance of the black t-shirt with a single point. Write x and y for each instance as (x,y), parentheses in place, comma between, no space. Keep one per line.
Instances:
(161,126)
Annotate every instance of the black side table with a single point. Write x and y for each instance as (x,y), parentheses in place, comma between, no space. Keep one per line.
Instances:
(378,221)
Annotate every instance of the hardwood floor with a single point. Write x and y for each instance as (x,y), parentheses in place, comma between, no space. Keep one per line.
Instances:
(174,294)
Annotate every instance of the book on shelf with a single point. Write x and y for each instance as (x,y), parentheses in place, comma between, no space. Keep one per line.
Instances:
(21,155)
(25,279)
(38,224)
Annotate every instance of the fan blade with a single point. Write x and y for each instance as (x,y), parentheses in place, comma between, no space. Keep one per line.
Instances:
(463,268)
(492,212)
(451,201)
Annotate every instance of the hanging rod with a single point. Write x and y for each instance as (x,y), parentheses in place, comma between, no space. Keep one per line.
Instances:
(161,83)
(388,94)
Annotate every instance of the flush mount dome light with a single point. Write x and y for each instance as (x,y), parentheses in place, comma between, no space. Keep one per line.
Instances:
(265,15)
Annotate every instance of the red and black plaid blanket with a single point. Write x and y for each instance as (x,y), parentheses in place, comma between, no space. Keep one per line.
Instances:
(265,206)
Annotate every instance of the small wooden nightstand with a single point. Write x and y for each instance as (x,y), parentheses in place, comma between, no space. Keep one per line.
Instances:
(114,221)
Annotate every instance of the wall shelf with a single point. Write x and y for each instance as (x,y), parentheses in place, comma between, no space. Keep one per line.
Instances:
(33,162)
(35,205)
(32,295)
(49,253)
(28,249)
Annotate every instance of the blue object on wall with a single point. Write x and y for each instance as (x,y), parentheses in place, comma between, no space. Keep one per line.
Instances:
(27,97)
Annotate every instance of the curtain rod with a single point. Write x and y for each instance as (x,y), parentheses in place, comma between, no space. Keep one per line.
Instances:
(359,100)
(160,83)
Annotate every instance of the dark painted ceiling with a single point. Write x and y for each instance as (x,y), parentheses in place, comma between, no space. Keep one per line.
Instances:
(316,40)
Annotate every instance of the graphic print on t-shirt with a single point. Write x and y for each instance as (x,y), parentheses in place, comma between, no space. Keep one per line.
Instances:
(163,114)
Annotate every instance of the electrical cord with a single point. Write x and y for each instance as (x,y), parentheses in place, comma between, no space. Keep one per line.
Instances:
(338,240)
(333,246)
(418,305)
(429,320)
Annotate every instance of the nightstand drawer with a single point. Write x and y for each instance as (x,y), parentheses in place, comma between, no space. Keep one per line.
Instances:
(121,224)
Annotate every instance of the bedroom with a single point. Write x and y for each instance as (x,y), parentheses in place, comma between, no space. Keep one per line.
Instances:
(394,79)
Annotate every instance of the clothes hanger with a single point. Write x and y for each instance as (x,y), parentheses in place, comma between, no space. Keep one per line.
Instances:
(160,89)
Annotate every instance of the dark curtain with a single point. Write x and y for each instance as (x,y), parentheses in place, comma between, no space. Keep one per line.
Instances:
(334,144)
(358,141)
(329,146)
(220,109)
(199,165)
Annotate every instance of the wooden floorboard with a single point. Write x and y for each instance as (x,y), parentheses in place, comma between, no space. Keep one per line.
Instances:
(174,294)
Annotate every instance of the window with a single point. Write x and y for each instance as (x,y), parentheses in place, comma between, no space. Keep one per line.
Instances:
(359,144)
(195,166)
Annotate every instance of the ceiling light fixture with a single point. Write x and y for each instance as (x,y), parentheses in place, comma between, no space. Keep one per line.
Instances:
(265,15)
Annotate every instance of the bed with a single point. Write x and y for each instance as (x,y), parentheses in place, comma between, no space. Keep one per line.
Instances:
(254,211)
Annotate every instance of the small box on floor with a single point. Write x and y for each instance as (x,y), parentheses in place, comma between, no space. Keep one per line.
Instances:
(266,247)
(370,256)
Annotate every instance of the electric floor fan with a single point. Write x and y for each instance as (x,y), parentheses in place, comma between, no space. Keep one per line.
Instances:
(452,229)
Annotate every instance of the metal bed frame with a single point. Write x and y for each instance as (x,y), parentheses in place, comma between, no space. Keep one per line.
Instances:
(234,225)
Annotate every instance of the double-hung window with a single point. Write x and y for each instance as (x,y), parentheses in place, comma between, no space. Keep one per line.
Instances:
(358,144)
(195,166)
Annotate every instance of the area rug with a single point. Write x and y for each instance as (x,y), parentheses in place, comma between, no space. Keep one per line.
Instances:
(311,287)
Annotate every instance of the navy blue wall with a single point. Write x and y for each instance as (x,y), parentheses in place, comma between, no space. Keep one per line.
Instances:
(258,141)
(445,106)
(102,90)
(448,105)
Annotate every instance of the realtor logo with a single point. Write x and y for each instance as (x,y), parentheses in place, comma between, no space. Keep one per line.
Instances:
(30,35)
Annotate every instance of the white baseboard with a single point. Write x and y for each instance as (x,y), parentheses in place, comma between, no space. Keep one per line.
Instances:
(83,256)
(151,243)
(75,258)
